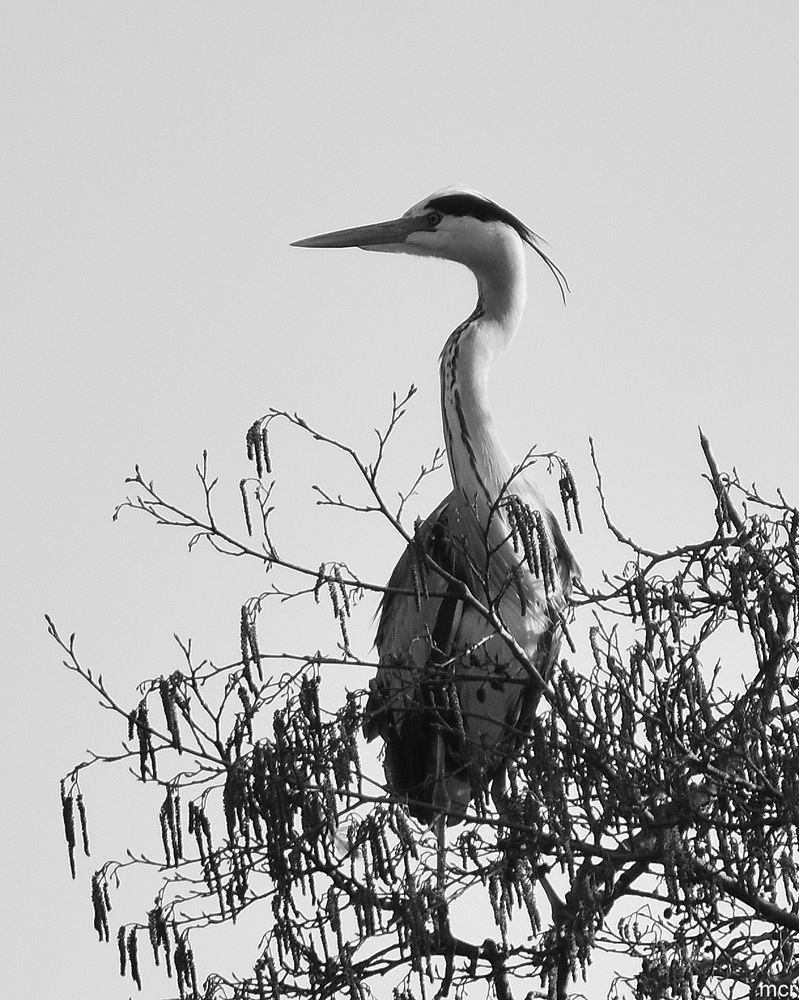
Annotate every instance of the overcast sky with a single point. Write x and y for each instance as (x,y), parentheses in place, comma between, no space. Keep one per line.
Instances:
(157,160)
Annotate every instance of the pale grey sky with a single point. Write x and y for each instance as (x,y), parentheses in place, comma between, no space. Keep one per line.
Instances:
(158,159)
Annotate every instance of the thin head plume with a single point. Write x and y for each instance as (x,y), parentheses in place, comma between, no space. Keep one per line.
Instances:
(538,243)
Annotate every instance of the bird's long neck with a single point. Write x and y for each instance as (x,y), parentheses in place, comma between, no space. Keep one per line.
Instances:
(477,460)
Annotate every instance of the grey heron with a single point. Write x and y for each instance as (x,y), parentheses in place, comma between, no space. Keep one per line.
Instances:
(450,700)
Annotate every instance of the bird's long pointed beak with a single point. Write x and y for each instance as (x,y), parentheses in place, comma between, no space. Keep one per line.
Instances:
(378,234)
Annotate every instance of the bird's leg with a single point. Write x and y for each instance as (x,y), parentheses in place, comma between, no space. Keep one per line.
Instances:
(441,799)
(499,792)
(441,827)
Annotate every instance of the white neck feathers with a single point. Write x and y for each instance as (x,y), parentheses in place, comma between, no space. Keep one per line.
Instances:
(478,462)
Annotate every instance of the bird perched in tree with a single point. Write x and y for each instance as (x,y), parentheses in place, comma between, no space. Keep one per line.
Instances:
(487,576)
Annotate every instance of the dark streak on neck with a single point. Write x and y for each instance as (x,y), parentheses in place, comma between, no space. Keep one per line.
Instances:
(449,382)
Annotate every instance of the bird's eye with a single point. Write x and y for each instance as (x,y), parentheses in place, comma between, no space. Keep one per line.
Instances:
(433,219)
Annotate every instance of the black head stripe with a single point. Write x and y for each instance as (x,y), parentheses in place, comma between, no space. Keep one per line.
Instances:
(482,209)
(485,210)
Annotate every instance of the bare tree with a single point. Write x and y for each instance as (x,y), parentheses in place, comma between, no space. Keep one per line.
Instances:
(650,811)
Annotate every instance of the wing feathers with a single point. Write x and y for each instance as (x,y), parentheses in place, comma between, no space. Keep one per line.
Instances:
(447,692)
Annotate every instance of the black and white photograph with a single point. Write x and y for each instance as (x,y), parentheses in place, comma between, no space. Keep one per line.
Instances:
(419,623)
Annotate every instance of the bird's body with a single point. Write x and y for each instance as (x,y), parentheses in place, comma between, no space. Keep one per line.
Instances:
(451,699)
